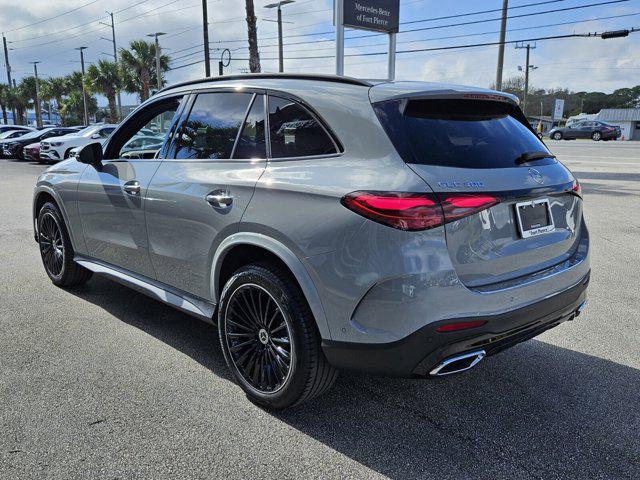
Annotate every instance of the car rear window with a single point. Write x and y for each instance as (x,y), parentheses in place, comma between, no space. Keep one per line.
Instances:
(458,133)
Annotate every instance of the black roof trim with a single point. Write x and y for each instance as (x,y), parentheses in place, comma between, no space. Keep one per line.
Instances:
(259,76)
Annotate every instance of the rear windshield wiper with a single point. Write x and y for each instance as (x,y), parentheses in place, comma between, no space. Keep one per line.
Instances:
(529,156)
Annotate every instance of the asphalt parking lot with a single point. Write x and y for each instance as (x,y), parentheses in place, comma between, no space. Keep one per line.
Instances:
(103,383)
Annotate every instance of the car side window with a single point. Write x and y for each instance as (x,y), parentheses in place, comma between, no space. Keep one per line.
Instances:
(158,117)
(251,142)
(212,126)
(295,132)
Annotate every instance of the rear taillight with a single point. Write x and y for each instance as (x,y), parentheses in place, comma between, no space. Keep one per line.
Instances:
(416,211)
(457,206)
(576,189)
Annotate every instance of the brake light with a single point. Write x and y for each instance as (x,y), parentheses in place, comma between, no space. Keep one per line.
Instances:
(576,188)
(405,211)
(461,205)
(454,327)
(416,211)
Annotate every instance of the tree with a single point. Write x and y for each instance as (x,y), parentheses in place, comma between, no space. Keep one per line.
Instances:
(4,101)
(252,33)
(138,67)
(72,111)
(23,96)
(104,78)
(54,88)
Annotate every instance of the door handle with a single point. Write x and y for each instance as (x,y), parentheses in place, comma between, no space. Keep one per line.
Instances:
(219,199)
(132,187)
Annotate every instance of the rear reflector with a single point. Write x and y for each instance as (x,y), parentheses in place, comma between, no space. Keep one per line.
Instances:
(454,327)
(416,211)
(576,188)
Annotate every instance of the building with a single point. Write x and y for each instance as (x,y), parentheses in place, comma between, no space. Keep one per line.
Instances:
(628,119)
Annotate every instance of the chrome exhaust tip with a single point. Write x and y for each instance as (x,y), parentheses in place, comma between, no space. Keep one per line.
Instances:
(458,364)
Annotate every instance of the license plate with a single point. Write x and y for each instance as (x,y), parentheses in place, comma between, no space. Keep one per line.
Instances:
(534,218)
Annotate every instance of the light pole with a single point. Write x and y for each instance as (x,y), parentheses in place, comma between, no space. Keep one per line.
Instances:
(158,53)
(280,49)
(84,90)
(37,99)
(115,55)
(205,32)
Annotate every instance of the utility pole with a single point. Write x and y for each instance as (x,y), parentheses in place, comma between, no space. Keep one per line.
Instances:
(527,67)
(158,54)
(503,32)
(84,90)
(8,66)
(37,99)
(339,20)
(280,47)
(205,32)
(115,57)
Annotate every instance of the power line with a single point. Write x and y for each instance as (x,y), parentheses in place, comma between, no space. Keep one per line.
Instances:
(464,35)
(51,18)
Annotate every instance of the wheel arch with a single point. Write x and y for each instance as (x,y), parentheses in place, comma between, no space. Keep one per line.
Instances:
(42,195)
(251,245)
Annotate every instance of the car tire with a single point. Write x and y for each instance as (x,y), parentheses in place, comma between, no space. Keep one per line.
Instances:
(258,302)
(56,250)
(596,136)
(67,153)
(557,136)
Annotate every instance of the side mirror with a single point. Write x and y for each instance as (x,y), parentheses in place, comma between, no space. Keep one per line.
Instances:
(91,154)
(95,135)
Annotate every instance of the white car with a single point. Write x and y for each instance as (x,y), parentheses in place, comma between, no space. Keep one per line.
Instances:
(55,149)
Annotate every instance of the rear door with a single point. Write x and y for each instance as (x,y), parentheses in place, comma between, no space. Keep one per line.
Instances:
(112,196)
(200,192)
(479,148)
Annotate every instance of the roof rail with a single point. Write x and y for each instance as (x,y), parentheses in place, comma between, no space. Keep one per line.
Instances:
(292,76)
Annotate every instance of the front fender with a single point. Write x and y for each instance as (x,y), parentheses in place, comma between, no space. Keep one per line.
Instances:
(296,266)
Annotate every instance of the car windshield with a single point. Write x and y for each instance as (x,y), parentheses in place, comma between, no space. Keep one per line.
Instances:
(34,134)
(11,133)
(87,132)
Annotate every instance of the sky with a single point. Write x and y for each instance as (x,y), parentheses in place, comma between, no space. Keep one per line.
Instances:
(575,63)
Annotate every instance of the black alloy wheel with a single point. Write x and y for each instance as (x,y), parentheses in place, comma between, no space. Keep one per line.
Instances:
(51,245)
(258,338)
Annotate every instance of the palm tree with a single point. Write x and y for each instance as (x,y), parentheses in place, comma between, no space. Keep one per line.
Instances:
(4,101)
(54,88)
(23,96)
(72,110)
(104,78)
(138,67)
(252,31)
(73,82)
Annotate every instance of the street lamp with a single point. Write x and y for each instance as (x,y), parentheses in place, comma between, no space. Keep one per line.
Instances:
(37,99)
(84,91)
(278,5)
(158,72)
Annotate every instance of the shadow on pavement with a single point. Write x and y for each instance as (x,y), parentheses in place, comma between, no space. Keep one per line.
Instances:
(535,411)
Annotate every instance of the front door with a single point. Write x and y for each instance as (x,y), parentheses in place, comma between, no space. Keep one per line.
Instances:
(198,195)
(112,196)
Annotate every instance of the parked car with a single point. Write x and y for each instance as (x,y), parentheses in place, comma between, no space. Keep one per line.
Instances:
(592,129)
(56,149)
(32,152)
(7,128)
(324,223)
(143,142)
(14,147)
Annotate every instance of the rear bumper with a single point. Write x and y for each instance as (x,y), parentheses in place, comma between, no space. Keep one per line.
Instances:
(417,354)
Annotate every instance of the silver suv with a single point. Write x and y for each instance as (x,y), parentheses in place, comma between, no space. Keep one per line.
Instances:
(324,223)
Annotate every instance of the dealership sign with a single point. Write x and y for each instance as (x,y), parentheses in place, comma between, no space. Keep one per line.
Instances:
(378,15)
